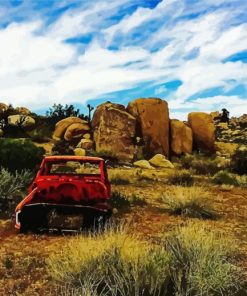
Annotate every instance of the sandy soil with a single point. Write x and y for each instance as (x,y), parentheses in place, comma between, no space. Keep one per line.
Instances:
(22,265)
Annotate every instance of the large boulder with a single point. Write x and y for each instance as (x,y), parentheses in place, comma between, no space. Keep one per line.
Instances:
(203,130)
(144,164)
(152,124)
(3,107)
(114,130)
(23,110)
(79,152)
(76,130)
(21,120)
(86,144)
(160,160)
(181,137)
(62,125)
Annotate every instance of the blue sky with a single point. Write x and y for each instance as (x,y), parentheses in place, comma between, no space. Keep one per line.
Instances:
(191,53)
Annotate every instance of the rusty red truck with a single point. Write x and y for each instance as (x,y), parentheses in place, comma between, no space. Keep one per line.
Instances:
(68,193)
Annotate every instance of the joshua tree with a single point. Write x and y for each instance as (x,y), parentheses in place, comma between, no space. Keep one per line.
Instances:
(90,109)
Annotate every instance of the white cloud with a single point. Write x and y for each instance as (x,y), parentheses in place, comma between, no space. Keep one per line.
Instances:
(37,66)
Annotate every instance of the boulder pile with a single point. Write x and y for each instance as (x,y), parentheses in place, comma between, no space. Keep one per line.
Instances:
(141,131)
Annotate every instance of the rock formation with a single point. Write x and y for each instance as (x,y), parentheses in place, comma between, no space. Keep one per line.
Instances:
(64,124)
(160,161)
(76,130)
(181,137)
(21,120)
(114,130)
(152,124)
(203,130)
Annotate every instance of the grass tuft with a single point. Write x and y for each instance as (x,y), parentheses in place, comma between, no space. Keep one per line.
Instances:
(182,177)
(202,262)
(190,202)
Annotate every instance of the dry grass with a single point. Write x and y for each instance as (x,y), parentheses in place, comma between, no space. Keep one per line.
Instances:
(191,260)
(202,262)
(191,202)
(113,263)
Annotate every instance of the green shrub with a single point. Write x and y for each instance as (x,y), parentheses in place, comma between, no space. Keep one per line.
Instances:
(227,178)
(119,200)
(12,187)
(19,154)
(136,200)
(62,147)
(190,202)
(203,165)
(201,262)
(182,177)
(119,180)
(239,161)
(224,177)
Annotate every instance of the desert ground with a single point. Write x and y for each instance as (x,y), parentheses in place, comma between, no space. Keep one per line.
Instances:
(23,265)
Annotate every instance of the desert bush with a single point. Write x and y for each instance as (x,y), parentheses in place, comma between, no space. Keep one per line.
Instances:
(227,178)
(12,187)
(113,263)
(203,165)
(118,179)
(119,200)
(191,260)
(137,200)
(239,161)
(182,177)
(62,147)
(190,202)
(202,262)
(19,154)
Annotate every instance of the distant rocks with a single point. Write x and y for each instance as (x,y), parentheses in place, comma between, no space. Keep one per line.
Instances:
(23,110)
(203,129)
(152,117)
(21,120)
(76,130)
(3,107)
(114,130)
(234,132)
(181,137)
(70,128)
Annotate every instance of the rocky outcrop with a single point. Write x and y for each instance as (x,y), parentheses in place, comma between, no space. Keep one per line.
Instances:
(152,124)
(79,152)
(86,144)
(21,120)
(64,124)
(181,137)
(114,130)
(234,132)
(76,130)
(23,110)
(160,161)
(203,130)
(144,164)
(3,107)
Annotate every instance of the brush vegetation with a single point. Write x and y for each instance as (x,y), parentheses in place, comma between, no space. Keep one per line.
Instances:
(191,260)
(191,202)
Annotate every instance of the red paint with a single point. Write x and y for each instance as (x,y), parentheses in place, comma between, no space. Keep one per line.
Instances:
(70,188)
